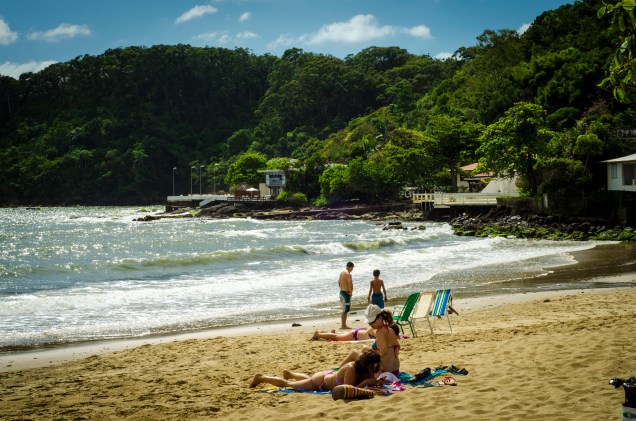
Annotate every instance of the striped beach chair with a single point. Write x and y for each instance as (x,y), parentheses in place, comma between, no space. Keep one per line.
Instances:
(439,308)
(422,308)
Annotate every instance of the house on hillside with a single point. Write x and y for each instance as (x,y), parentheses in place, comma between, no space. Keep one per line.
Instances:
(472,183)
(485,182)
(274,183)
(621,173)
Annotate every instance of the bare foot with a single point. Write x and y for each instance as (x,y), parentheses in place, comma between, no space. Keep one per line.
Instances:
(257,380)
(315,337)
(287,375)
(345,328)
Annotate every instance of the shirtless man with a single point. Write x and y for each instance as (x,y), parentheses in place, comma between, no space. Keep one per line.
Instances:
(345,282)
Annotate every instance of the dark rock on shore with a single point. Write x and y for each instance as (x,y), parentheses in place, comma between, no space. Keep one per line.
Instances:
(394,211)
(373,212)
(503,221)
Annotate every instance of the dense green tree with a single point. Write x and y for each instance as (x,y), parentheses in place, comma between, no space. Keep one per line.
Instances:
(110,128)
(621,77)
(453,140)
(334,183)
(514,144)
(245,170)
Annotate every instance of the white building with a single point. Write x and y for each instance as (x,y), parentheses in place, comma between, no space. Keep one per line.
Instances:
(621,173)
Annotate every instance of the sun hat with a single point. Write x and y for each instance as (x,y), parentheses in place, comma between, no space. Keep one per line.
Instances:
(372,312)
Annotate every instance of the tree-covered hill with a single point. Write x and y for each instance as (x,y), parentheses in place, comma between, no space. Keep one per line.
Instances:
(111,128)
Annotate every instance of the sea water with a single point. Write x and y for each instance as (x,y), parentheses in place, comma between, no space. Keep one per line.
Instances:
(88,273)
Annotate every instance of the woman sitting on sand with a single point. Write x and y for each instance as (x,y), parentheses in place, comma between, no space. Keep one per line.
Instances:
(361,372)
(357,334)
(386,341)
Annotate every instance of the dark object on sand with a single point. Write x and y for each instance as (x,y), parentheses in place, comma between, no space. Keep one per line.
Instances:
(630,389)
(347,391)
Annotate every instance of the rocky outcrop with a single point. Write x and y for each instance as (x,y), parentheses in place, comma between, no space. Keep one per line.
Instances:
(502,221)
(386,212)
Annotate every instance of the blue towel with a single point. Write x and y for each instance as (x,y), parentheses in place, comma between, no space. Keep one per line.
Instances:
(293,390)
(408,379)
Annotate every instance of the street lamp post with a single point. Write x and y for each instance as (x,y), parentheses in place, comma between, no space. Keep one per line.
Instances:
(215,165)
(191,168)
(173,170)
(200,168)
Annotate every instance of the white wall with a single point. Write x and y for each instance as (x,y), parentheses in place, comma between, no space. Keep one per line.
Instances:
(501,185)
(615,177)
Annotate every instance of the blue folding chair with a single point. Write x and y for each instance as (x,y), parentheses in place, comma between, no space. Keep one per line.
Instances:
(439,308)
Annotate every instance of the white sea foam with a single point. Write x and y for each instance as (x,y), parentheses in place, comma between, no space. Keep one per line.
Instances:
(89,273)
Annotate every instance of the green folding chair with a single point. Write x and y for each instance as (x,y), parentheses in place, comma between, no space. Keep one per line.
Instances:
(402,316)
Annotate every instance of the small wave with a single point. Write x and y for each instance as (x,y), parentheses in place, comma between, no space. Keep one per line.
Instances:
(321,249)
(372,245)
(182,260)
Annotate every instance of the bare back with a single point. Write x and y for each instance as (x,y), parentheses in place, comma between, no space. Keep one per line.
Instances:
(377,285)
(345,282)
(389,348)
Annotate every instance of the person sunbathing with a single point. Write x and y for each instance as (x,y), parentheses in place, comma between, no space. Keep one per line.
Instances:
(357,334)
(386,343)
(361,372)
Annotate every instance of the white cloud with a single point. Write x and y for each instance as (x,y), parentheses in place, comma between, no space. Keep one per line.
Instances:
(246,35)
(223,38)
(209,37)
(6,35)
(195,13)
(281,41)
(245,17)
(63,31)
(420,31)
(16,69)
(443,55)
(359,28)
(523,28)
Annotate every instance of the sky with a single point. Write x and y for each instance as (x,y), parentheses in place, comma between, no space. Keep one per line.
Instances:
(37,33)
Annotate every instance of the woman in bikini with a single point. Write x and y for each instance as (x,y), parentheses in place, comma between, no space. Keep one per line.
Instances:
(357,334)
(361,372)
(386,342)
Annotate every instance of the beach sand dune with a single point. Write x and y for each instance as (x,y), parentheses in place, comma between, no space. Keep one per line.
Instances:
(548,358)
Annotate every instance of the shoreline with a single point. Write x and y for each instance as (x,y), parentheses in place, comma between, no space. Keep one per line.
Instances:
(63,353)
(603,267)
(588,266)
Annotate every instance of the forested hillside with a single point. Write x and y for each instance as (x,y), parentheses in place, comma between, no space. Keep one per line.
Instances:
(111,128)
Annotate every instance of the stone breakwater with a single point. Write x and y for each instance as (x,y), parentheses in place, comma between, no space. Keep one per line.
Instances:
(503,221)
(402,211)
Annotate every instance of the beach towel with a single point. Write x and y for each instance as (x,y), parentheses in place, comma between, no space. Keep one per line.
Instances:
(393,384)
(424,377)
(292,390)
(363,340)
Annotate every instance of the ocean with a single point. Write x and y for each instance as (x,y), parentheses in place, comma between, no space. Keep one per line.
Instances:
(70,275)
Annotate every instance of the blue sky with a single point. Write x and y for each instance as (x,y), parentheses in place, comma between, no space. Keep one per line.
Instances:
(37,33)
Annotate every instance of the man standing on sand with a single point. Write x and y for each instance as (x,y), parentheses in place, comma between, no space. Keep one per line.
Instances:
(345,282)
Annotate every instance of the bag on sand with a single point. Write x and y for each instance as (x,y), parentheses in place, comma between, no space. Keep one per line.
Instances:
(628,409)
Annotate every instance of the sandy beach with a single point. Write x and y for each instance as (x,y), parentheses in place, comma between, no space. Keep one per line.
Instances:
(546,355)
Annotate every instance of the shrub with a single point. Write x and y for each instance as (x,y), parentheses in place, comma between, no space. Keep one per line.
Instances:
(292,199)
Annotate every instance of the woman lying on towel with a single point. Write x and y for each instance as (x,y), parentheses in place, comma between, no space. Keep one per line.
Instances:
(358,334)
(361,372)
(386,342)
